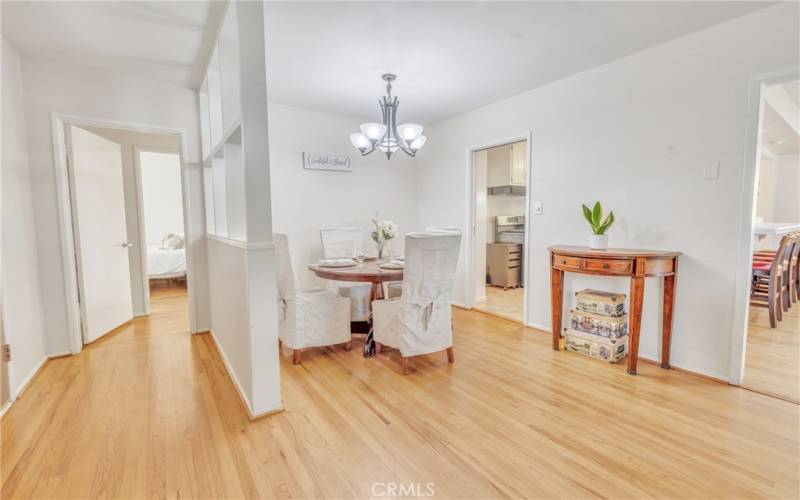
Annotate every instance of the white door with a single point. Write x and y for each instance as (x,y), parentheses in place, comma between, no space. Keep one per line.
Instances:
(101,240)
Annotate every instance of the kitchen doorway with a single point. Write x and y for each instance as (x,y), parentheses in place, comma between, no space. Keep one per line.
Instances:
(500,186)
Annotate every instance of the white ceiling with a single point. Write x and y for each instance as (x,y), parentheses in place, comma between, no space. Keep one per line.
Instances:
(450,57)
(777,135)
(454,57)
(154,40)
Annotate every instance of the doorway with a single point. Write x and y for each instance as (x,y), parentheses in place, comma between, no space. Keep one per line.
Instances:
(499,208)
(772,355)
(123,184)
(766,358)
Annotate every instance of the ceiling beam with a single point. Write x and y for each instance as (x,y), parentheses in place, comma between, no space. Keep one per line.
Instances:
(216,16)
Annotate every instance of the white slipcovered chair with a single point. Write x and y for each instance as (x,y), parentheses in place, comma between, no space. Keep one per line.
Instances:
(420,321)
(309,318)
(340,243)
(395,289)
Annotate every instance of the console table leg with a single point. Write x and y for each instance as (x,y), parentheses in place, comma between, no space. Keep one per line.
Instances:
(556,303)
(637,294)
(666,318)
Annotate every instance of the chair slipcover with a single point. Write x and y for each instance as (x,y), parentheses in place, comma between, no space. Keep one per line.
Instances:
(312,318)
(395,288)
(340,243)
(419,322)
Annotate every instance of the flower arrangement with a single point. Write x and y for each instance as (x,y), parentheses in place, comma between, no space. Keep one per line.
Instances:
(384,231)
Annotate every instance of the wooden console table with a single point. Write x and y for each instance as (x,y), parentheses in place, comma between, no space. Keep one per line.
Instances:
(637,264)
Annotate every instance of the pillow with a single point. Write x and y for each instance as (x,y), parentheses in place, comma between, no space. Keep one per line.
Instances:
(172,242)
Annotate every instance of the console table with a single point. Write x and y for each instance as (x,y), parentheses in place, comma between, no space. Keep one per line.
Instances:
(637,264)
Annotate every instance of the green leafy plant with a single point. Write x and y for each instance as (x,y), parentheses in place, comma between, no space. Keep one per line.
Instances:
(595,216)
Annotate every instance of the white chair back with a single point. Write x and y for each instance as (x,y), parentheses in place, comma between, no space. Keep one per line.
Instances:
(287,280)
(430,274)
(442,229)
(341,242)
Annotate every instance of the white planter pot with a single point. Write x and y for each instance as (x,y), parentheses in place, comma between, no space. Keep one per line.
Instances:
(598,241)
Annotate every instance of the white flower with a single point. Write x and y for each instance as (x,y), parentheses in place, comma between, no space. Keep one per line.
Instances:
(389,229)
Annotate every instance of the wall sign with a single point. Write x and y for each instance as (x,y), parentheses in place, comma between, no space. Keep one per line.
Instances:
(321,161)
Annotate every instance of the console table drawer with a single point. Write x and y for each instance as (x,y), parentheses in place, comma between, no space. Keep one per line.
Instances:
(566,262)
(608,266)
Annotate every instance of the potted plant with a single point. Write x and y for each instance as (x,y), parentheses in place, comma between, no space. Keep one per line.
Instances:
(598,240)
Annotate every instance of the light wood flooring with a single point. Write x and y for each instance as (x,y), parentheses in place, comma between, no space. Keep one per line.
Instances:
(150,412)
(772,362)
(504,303)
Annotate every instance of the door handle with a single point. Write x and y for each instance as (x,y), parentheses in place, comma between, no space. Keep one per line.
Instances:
(125,244)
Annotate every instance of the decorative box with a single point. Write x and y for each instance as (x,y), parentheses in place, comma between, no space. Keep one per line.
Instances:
(599,302)
(597,324)
(602,348)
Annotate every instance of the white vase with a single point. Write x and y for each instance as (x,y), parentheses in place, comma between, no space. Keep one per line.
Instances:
(598,241)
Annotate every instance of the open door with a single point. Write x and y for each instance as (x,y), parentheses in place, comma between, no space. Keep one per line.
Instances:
(101,239)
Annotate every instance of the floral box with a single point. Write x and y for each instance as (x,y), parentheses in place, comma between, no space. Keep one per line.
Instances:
(597,324)
(605,349)
(599,302)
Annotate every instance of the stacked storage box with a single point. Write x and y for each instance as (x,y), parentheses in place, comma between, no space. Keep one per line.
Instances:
(598,325)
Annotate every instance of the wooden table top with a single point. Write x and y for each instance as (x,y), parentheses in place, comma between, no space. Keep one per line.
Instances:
(369,272)
(611,253)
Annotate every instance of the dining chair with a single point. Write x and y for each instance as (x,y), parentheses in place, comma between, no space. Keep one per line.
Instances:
(767,288)
(308,318)
(420,321)
(395,288)
(340,243)
(791,270)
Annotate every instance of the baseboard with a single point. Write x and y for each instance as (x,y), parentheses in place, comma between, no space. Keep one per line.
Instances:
(537,326)
(22,388)
(198,332)
(460,306)
(57,355)
(252,416)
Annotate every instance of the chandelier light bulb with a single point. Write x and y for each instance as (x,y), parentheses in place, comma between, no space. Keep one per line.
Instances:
(418,143)
(409,131)
(373,131)
(360,141)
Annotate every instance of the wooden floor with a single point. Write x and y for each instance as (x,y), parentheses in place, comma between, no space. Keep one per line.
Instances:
(150,412)
(772,362)
(507,304)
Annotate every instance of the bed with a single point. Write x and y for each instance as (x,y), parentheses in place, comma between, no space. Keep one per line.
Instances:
(165,264)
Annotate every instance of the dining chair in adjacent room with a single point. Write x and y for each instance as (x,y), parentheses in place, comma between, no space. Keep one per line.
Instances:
(340,243)
(420,321)
(308,318)
(790,291)
(767,288)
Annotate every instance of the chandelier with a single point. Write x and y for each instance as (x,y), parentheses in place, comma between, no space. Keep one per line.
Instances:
(388,136)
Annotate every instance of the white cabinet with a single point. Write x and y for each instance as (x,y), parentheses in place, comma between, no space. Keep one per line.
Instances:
(519,163)
(508,165)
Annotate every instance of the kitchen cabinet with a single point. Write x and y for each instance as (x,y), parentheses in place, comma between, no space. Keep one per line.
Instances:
(507,165)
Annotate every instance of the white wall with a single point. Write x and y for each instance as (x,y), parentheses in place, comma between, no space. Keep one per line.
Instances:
(23,309)
(635,134)
(161,195)
(787,188)
(304,201)
(54,87)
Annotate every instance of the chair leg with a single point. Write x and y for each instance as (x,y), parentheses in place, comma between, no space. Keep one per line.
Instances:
(296,356)
(777,297)
(280,344)
(404,365)
(451,358)
(348,346)
(378,347)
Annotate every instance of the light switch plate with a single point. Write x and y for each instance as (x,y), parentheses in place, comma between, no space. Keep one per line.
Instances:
(538,208)
(711,171)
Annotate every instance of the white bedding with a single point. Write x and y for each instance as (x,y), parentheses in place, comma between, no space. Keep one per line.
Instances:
(165,263)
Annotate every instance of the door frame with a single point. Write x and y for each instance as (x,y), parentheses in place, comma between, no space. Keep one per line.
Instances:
(527,277)
(137,169)
(63,189)
(744,251)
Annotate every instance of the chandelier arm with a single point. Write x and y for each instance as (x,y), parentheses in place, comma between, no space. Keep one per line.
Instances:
(400,141)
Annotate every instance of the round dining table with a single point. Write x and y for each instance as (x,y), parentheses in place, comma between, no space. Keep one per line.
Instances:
(369,272)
